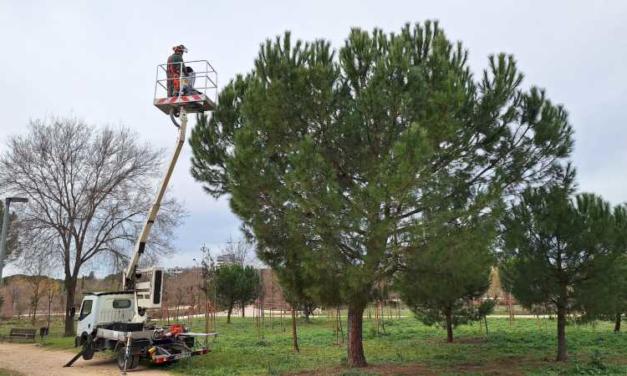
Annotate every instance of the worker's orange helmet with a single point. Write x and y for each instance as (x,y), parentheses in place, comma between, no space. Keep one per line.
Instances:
(179,48)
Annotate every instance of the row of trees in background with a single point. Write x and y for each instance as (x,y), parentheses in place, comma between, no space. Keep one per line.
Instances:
(388,161)
(31,296)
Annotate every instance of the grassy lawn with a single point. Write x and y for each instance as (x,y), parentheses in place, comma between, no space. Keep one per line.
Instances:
(526,347)
(408,347)
(6,372)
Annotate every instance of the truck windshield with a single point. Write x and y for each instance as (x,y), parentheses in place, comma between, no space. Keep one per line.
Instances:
(85,309)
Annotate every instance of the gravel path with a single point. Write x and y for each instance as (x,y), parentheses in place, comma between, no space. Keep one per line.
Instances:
(33,360)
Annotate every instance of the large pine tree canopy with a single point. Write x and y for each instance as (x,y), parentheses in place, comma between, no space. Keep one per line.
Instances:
(356,157)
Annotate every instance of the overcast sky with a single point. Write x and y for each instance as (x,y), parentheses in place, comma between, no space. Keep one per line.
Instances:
(96,60)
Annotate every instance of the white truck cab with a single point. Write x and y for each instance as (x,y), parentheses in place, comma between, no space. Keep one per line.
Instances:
(102,309)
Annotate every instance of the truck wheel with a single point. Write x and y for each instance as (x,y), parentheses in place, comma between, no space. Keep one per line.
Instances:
(131,362)
(88,347)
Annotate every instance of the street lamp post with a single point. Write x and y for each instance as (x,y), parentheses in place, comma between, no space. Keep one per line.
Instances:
(5,229)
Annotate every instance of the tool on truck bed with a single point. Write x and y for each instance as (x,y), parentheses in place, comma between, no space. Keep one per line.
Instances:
(118,321)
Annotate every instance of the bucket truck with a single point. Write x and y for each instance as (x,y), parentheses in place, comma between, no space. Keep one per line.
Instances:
(118,321)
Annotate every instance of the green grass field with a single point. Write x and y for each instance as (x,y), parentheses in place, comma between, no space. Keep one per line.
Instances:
(6,372)
(526,347)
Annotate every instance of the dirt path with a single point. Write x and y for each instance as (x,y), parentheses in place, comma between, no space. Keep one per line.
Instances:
(36,361)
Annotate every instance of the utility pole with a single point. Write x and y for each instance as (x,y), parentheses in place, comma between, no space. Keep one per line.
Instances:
(5,229)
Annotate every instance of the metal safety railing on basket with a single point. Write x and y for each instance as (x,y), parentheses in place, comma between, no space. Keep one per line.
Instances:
(202,80)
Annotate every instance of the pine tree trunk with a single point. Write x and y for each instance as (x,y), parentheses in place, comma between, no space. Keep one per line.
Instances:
(617,322)
(562,354)
(306,313)
(243,310)
(294,332)
(228,314)
(355,348)
(70,288)
(449,326)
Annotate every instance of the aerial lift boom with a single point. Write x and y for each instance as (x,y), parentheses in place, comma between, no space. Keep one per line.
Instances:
(132,272)
(148,291)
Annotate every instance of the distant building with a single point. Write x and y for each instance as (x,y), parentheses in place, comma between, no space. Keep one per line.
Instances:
(227,259)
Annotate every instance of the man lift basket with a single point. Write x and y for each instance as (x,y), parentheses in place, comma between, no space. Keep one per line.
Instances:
(199,98)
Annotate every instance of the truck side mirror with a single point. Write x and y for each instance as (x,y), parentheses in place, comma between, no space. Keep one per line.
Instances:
(72,312)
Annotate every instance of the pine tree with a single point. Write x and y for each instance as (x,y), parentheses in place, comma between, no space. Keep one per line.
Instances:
(236,285)
(605,297)
(555,245)
(442,279)
(341,152)
(616,286)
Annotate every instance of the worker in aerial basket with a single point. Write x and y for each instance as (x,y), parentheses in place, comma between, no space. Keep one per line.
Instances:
(175,67)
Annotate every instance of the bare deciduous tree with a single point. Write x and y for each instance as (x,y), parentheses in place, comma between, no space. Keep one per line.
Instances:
(179,296)
(89,190)
(16,292)
(238,252)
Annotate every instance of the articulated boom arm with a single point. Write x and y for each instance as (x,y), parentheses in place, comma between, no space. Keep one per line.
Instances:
(130,276)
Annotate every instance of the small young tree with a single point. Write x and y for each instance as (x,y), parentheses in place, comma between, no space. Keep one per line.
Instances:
(18,293)
(236,284)
(485,308)
(208,285)
(441,280)
(618,285)
(37,260)
(179,296)
(51,290)
(555,244)
(605,297)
